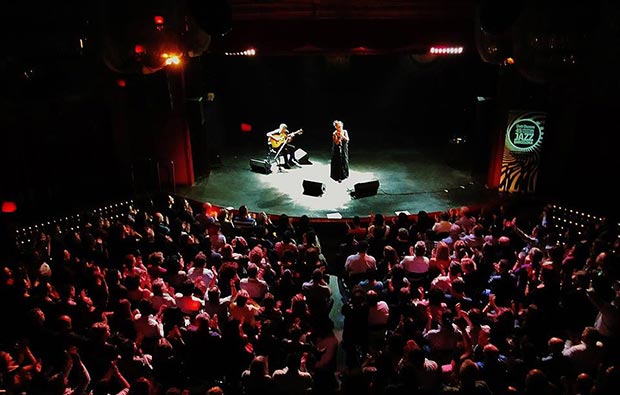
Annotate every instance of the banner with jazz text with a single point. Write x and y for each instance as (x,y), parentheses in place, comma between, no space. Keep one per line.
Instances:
(522,149)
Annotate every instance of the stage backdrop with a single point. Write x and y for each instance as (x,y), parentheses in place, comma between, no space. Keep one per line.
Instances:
(522,150)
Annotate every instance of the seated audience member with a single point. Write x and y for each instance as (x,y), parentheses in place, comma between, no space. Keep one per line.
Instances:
(206,216)
(216,236)
(358,264)
(468,381)
(378,234)
(243,309)
(244,223)
(555,365)
(161,296)
(466,220)
(443,341)
(187,301)
(216,306)
(324,368)
(372,282)
(475,238)
(503,283)
(442,225)
(416,264)
(454,235)
(227,227)
(255,287)
(416,372)
(199,274)
(149,328)
(440,260)
(378,318)
(588,354)
(402,242)
(356,229)
(444,282)
(286,244)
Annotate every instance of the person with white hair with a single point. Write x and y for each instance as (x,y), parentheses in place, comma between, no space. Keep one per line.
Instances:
(279,139)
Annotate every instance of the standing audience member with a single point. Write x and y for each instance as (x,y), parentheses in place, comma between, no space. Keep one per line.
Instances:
(378,234)
(318,295)
(256,380)
(416,264)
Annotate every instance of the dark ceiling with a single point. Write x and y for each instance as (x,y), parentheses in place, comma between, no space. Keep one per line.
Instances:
(287,27)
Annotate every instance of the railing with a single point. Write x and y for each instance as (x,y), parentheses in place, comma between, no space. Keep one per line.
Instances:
(569,220)
(27,235)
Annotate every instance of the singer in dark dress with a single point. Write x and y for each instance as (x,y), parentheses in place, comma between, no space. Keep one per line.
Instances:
(340,153)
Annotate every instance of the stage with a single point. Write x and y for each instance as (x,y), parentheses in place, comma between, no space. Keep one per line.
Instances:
(411,178)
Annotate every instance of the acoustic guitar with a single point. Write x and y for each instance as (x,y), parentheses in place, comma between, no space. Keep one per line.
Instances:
(277,140)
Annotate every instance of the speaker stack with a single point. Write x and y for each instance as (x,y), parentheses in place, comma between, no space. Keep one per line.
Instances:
(260,166)
(364,189)
(302,156)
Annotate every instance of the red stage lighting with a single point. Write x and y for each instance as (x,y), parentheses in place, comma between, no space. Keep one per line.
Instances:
(121,83)
(139,49)
(9,207)
(246,127)
(159,20)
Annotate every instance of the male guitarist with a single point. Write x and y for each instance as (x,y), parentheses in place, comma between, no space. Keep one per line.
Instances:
(279,140)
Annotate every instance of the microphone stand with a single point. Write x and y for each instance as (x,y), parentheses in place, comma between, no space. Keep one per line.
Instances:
(277,155)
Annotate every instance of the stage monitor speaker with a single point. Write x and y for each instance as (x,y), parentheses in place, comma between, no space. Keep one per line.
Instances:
(301,156)
(313,188)
(260,166)
(368,188)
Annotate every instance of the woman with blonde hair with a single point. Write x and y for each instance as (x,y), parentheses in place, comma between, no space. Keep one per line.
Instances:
(339,166)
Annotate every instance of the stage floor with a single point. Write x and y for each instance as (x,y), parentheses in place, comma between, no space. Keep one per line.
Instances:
(410,179)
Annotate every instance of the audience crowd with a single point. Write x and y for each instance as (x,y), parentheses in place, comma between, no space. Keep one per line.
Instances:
(175,298)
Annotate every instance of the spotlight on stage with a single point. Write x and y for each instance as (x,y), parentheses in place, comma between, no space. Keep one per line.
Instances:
(364,189)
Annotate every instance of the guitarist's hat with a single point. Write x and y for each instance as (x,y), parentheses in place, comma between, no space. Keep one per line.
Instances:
(283,126)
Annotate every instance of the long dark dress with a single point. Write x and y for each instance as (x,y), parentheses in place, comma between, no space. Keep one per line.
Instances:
(340,161)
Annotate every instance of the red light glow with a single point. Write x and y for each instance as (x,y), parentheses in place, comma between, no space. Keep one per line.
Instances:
(159,20)
(139,49)
(246,127)
(121,83)
(9,207)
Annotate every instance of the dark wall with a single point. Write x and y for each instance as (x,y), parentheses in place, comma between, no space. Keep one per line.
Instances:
(397,95)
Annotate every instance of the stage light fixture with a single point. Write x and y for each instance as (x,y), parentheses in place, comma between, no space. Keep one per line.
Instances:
(446,50)
(173,60)
(247,52)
